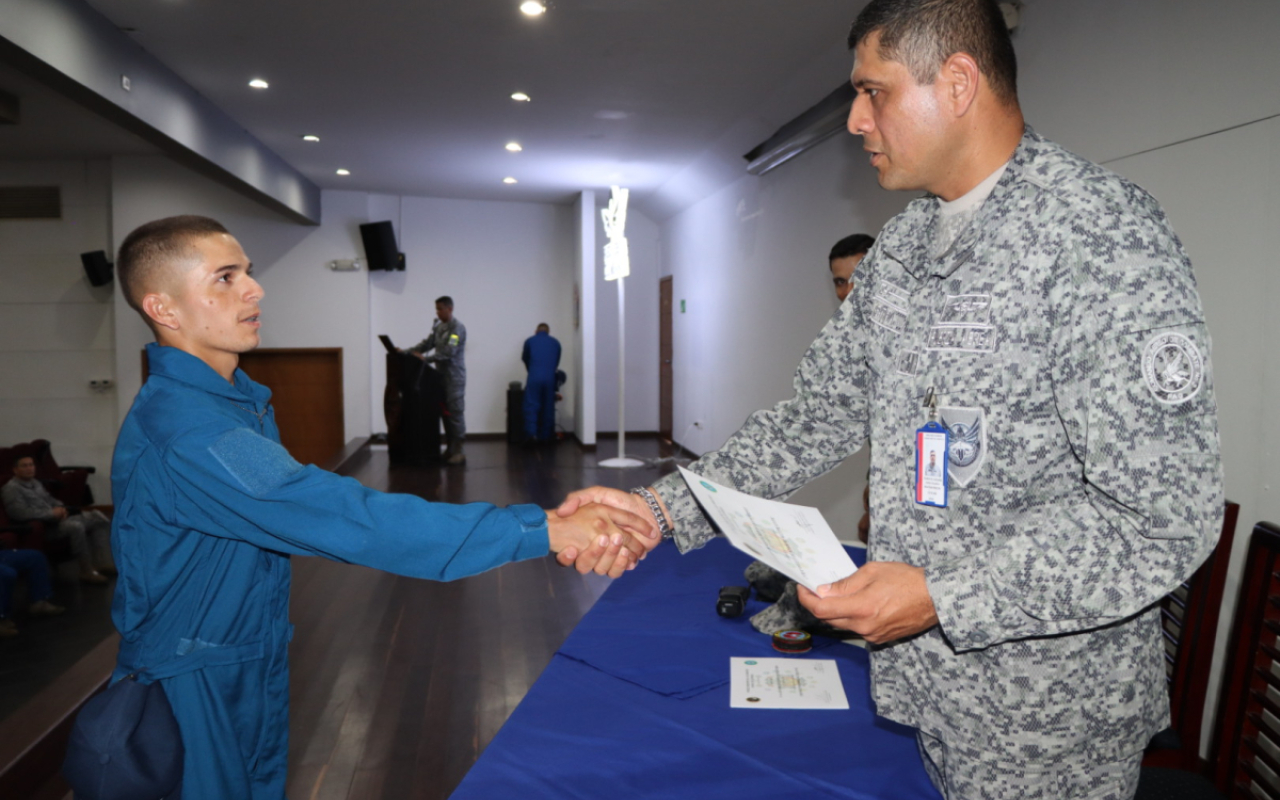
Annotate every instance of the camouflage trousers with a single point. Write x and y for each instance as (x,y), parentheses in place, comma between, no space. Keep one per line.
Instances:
(958,776)
(455,425)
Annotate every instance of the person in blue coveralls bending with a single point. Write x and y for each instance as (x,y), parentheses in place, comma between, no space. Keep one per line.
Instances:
(209,507)
(541,358)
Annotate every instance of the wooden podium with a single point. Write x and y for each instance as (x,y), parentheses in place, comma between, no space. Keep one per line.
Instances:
(411,403)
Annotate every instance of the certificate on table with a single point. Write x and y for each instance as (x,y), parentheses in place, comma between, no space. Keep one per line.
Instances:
(785,683)
(795,540)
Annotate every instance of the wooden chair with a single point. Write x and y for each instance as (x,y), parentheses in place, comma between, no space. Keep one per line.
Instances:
(1189,619)
(1245,763)
(14,536)
(69,484)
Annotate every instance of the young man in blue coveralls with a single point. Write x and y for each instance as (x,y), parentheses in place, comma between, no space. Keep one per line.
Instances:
(209,507)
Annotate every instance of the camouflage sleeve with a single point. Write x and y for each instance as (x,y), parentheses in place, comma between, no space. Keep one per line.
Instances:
(780,449)
(423,346)
(448,340)
(1132,387)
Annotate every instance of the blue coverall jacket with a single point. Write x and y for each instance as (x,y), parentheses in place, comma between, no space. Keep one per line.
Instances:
(209,507)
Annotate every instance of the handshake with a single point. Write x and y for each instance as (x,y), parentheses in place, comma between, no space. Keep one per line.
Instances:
(603,530)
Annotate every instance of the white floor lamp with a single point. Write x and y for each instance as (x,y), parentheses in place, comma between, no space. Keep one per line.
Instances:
(617,266)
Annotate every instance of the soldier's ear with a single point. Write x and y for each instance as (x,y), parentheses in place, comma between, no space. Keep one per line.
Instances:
(960,79)
(161,310)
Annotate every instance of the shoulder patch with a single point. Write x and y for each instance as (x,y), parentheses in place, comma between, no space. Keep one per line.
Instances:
(256,462)
(1172,367)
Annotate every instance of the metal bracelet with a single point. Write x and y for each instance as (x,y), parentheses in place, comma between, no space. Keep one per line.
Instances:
(664,527)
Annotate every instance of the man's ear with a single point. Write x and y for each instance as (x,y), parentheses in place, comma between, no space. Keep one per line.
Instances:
(961,78)
(160,309)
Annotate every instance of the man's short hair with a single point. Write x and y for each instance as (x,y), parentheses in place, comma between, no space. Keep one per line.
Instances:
(19,459)
(542,326)
(921,34)
(444,300)
(154,246)
(855,245)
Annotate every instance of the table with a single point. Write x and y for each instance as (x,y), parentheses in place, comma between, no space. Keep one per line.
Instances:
(636,705)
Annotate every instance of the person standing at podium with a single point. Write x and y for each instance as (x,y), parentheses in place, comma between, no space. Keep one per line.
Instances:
(446,348)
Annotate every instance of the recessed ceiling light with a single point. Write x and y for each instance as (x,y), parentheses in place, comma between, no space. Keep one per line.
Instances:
(344,172)
(509,180)
(514,147)
(258,83)
(611,114)
(520,97)
(310,137)
(533,8)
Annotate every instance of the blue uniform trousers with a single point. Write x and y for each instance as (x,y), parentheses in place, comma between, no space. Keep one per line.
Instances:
(540,409)
(33,564)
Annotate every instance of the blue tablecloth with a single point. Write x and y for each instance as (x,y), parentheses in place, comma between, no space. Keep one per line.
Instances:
(636,705)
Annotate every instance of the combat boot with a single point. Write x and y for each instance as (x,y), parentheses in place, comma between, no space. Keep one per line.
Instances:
(458,457)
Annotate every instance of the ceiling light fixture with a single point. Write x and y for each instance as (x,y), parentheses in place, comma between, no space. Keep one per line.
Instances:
(344,172)
(514,147)
(509,180)
(258,83)
(310,137)
(533,8)
(520,97)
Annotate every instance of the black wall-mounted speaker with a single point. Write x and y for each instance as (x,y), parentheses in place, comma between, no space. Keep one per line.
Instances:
(380,246)
(97,268)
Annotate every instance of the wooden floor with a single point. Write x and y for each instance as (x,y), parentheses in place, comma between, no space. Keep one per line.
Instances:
(398,684)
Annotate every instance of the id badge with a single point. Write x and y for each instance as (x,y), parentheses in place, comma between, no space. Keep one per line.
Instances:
(931,465)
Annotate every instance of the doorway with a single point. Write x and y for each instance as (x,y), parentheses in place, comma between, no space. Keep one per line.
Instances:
(664,358)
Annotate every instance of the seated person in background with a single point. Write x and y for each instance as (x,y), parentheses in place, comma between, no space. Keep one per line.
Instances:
(88,532)
(32,564)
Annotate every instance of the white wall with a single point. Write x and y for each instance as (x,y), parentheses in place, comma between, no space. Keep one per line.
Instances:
(750,264)
(507,266)
(305,304)
(585,214)
(644,246)
(56,329)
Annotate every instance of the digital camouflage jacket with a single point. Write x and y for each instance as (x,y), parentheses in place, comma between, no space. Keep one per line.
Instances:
(1063,336)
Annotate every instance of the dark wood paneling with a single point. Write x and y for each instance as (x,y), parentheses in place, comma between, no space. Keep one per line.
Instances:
(664,358)
(306,390)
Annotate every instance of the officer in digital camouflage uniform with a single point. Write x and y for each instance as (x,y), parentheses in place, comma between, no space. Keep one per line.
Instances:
(1053,313)
(446,349)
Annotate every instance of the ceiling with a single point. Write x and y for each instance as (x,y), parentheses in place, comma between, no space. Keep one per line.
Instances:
(414,97)
(51,126)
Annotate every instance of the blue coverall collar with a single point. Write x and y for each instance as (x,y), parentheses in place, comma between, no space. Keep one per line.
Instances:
(183,367)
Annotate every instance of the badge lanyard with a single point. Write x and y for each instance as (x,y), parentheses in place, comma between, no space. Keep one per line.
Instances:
(931,457)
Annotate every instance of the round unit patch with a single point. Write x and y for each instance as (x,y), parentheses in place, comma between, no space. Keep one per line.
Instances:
(1173,368)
